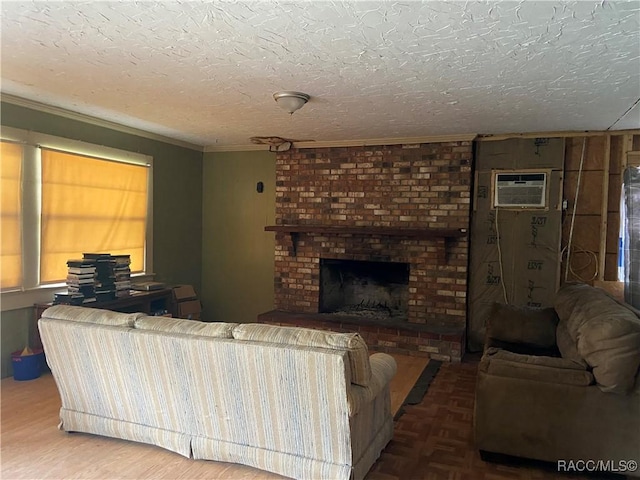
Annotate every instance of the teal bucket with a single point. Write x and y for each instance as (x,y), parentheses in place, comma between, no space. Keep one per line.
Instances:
(27,367)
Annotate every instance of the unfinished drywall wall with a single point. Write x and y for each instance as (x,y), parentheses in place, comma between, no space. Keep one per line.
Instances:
(592,187)
(515,252)
(594,166)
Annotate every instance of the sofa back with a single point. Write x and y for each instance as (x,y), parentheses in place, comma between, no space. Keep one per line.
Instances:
(244,384)
(599,330)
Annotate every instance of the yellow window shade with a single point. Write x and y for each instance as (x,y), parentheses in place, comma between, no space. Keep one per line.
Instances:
(90,205)
(11,207)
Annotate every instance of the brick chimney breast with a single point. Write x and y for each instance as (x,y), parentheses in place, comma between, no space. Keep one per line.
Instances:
(424,186)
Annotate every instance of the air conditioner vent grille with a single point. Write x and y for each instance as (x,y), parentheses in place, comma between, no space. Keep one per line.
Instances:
(523,190)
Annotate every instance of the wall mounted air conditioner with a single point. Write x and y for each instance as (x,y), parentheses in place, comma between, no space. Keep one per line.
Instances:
(520,190)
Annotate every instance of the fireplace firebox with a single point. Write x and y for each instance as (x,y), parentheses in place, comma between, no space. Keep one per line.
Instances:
(376,290)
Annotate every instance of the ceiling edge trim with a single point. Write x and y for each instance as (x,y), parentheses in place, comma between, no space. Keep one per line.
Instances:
(468,137)
(366,142)
(488,137)
(81,117)
(234,148)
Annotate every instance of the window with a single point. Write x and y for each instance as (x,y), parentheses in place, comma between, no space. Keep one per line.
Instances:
(61,198)
(90,205)
(11,208)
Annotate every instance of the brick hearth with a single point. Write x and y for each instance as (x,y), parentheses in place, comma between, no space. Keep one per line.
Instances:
(414,187)
(439,343)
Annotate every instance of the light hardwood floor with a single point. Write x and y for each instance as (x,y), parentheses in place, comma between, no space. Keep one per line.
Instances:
(32,447)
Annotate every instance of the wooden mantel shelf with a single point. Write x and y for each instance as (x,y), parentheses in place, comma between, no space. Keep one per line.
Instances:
(382,231)
(446,234)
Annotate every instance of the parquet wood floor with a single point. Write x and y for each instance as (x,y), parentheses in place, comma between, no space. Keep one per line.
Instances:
(33,448)
(433,440)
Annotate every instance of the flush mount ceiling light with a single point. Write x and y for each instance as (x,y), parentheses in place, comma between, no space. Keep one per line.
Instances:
(291,101)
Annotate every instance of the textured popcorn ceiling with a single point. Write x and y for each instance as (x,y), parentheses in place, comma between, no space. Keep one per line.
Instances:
(205,73)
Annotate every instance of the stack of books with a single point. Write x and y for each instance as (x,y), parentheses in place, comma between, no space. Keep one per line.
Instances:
(105,274)
(96,277)
(66,298)
(80,283)
(122,271)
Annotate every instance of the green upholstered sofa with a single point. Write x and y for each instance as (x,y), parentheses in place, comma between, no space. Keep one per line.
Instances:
(562,384)
(298,402)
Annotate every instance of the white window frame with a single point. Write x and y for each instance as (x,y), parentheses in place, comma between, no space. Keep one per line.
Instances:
(31,291)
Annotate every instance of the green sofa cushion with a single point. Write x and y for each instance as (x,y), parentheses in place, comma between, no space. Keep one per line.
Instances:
(532,367)
(522,325)
(567,345)
(606,334)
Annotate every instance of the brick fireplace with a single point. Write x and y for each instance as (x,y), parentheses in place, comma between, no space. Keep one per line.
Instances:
(402,204)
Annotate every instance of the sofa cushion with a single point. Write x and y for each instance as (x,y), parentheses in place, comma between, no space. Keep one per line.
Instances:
(91,315)
(555,362)
(530,367)
(191,327)
(351,342)
(606,334)
(522,325)
(383,369)
(523,348)
(567,346)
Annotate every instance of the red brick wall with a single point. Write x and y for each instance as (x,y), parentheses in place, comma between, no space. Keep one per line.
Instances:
(412,186)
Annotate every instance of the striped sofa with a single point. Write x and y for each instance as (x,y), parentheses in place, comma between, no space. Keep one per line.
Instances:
(298,402)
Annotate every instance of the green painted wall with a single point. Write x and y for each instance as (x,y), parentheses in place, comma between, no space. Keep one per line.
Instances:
(177,202)
(16,327)
(238,256)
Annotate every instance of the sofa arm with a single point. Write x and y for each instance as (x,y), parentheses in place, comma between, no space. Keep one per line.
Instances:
(531,367)
(383,369)
(515,325)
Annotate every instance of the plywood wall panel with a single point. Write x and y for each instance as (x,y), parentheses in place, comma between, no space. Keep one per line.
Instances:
(613,229)
(584,266)
(615,192)
(617,152)
(573,151)
(595,153)
(586,232)
(590,194)
(593,157)
(611,269)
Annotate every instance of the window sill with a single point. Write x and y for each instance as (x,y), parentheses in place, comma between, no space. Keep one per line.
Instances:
(44,294)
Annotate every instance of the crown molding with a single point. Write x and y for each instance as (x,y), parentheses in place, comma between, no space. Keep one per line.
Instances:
(370,142)
(365,142)
(99,122)
(234,148)
(23,102)
(488,137)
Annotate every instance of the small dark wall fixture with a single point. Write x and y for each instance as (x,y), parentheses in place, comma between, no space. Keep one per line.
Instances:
(260,187)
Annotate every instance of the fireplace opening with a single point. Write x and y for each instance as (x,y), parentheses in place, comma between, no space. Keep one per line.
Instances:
(376,290)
